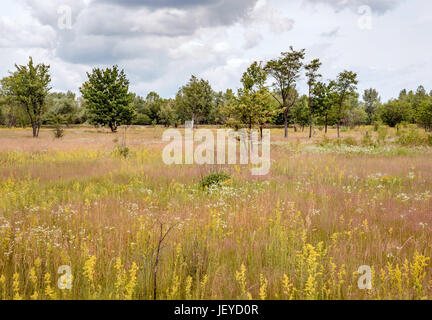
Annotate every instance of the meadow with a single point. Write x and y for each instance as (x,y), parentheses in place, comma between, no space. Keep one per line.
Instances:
(328,207)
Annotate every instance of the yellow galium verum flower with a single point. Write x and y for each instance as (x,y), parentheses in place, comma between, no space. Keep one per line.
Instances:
(16,287)
(89,270)
(241,278)
(130,287)
(33,280)
(263,287)
(287,288)
(49,292)
(3,287)
(121,277)
(188,288)
(203,285)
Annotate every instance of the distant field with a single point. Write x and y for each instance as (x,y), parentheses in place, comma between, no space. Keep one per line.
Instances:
(328,207)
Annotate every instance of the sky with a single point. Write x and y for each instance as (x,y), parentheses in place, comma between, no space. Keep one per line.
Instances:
(161,43)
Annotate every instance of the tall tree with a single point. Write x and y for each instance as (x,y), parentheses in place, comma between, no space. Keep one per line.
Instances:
(107,97)
(346,85)
(195,100)
(28,87)
(371,100)
(253,107)
(312,76)
(63,107)
(424,117)
(286,71)
(324,99)
(393,113)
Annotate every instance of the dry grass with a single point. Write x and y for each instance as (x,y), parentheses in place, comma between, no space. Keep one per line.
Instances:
(300,233)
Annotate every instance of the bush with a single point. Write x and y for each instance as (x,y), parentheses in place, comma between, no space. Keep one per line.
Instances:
(349,141)
(122,151)
(413,138)
(58,132)
(368,141)
(382,134)
(214,179)
(325,141)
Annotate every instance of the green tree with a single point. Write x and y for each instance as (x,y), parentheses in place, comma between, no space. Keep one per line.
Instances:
(286,71)
(393,113)
(300,112)
(63,108)
(372,101)
(195,101)
(345,86)
(424,117)
(312,77)
(28,88)
(325,98)
(253,107)
(167,114)
(107,97)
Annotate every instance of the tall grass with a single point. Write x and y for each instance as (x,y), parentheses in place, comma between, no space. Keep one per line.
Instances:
(300,233)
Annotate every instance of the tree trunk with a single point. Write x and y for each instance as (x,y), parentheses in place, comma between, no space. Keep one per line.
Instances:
(35,133)
(261,132)
(338,128)
(286,122)
(326,123)
(113,127)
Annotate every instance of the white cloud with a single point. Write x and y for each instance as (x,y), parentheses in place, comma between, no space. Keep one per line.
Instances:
(161,43)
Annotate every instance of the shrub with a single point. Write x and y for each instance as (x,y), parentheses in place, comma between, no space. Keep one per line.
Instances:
(58,132)
(349,141)
(325,141)
(382,134)
(413,138)
(122,151)
(368,141)
(214,179)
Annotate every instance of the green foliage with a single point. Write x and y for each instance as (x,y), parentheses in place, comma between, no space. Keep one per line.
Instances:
(167,114)
(214,179)
(63,106)
(107,96)
(424,116)
(413,138)
(382,134)
(286,71)
(195,101)
(368,141)
(355,117)
(122,151)
(344,87)
(393,113)
(371,100)
(312,76)
(300,111)
(58,131)
(253,106)
(28,88)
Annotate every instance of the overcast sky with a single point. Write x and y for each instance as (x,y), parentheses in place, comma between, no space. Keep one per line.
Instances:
(161,43)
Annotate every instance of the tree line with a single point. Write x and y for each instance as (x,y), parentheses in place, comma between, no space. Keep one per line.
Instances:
(268,96)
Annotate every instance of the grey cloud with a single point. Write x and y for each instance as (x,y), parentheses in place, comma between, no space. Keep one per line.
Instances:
(101,27)
(331,33)
(377,6)
(252,39)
